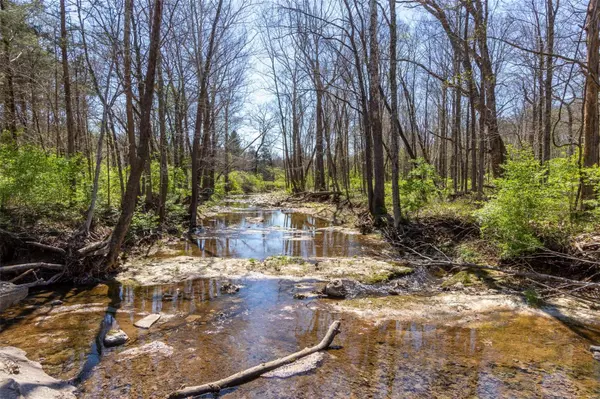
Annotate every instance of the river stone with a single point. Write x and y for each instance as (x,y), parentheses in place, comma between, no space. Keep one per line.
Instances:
(11,294)
(229,288)
(155,348)
(147,321)
(337,288)
(21,378)
(597,356)
(300,366)
(115,337)
(595,348)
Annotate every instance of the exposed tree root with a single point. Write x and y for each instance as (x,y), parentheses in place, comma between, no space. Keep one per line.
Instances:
(256,371)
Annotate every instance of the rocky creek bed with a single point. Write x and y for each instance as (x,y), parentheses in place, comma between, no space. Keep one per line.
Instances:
(403,334)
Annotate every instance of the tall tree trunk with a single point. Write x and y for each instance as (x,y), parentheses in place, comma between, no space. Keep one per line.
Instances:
(127,85)
(200,112)
(394,150)
(591,125)
(319,150)
(66,80)
(10,108)
(550,17)
(129,201)
(378,207)
(164,171)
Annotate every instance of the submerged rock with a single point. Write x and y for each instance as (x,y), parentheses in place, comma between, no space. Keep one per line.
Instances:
(115,337)
(11,294)
(156,348)
(21,378)
(229,288)
(300,366)
(147,321)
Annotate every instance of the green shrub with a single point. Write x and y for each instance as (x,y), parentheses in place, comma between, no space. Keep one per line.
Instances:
(532,201)
(31,179)
(143,223)
(419,187)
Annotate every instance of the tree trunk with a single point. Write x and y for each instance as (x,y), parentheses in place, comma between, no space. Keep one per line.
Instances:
(590,105)
(66,80)
(129,200)
(378,207)
(393,115)
(164,171)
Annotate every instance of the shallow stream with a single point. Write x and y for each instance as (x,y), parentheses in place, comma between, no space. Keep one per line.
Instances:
(204,335)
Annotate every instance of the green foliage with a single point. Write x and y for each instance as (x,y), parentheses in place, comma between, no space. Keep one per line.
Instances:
(33,180)
(242,182)
(532,298)
(532,201)
(419,187)
(143,223)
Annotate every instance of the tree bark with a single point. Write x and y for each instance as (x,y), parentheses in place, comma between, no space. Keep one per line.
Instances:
(591,125)
(129,200)
(378,206)
(66,80)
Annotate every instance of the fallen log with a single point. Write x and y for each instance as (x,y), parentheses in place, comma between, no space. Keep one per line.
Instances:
(48,248)
(256,371)
(27,266)
(96,248)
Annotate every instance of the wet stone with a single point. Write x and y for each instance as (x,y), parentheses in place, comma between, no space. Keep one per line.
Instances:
(595,348)
(11,294)
(115,337)
(229,288)
(147,321)
(21,378)
(338,288)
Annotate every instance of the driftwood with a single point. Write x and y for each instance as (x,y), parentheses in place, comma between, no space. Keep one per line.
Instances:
(27,266)
(48,248)
(20,276)
(256,371)
(97,248)
(41,282)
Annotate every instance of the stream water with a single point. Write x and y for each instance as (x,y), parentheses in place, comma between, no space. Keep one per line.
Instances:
(204,335)
(245,231)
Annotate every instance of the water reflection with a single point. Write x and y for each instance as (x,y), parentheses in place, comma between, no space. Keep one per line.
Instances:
(262,233)
(213,335)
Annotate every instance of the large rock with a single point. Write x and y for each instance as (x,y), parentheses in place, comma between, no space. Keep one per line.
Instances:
(115,337)
(21,378)
(338,288)
(147,321)
(11,294)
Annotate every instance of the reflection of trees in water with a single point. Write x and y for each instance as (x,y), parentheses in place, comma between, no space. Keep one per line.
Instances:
(262,234)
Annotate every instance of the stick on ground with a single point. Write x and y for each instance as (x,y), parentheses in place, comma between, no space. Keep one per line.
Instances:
(256,371)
